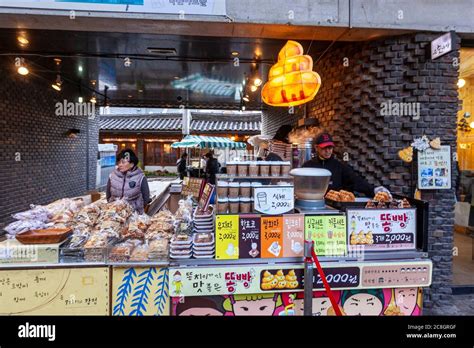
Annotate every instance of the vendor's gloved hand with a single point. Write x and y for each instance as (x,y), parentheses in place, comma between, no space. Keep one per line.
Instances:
(382,189)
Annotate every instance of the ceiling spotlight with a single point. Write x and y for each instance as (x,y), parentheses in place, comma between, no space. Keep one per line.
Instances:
(461,83)
(140,91)
(246,98)
(80,68)
(253,88)
(23,70)
(235,53)
(80,99)
(57,84)
(22,40)
(93,99)
(57,61)
(21,67)
(257,82)
(243,107)
(472,125)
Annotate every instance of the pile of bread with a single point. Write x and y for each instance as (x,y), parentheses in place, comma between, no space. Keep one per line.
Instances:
(340,196)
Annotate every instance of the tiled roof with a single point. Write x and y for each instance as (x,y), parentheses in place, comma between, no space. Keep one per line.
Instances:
(203,123)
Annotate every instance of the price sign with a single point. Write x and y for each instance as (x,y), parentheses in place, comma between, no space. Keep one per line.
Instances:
(328,233)
(381,229)
(227,237)
(192,187)
(272,236)
(293,235)
(274,199)
(344,277)
(434,169)
(249,237)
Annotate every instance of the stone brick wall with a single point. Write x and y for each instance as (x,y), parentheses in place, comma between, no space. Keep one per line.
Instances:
(349,106)
(52,165)
(273,118)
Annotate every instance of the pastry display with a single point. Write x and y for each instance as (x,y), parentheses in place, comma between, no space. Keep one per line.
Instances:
(291,280)
(88,215)
(110,228)
(269,281)
(382,197)
(140,253)
(122,251)
(158,249)
(393,204)
(280,277)
(279,281)
(137,227)
(406,154)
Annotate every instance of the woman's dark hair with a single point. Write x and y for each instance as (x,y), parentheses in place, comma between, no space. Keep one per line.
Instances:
(208,155)
(282,133)
(184,155)
(212,302)
(128,154)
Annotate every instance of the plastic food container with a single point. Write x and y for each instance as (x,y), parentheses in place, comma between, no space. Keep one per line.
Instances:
(207,215)
(264,168)
(206,249)
(243,168)
(176,242)
(275,168)
(231,168)
(245,188)
(285,168)
(203,240)
(234,189)
(222,205)
(310,183)
(234,205)
(222,188)
(245,205)
(253,168)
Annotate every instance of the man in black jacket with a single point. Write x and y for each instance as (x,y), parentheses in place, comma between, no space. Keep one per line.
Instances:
(343,177)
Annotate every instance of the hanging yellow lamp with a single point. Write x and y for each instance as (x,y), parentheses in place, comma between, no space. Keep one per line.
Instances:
(291,81)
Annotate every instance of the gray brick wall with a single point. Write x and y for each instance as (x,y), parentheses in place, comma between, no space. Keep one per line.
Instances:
(273,118)
(349,106)
(52,165)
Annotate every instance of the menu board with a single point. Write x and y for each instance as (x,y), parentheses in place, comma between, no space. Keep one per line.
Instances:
(227,237)
(274,199)
(249,237)
(293,235)
(192,187)
(272,236)
(328,233)
(381,229)
(434,169)
(206,195)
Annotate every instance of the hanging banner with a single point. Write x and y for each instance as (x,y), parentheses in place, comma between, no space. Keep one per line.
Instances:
(178,7)
(381,229)
(434,169)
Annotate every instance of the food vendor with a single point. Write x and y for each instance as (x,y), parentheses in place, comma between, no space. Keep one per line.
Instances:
(128,182)
(343,177)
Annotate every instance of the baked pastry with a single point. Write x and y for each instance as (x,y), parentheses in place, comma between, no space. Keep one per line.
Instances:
(346,196)
(382,197)
(435,143)
(333,195)
(370,205)
(406,154)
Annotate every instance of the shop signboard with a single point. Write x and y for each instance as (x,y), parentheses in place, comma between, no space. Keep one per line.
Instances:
(192,187)
(272,236)
(441,45)
(258,279)
(328,232)
(276,199)
(66,291)
(249,237)
(293,235)
(434,169)
(381,229)
(177,7)
(227,237)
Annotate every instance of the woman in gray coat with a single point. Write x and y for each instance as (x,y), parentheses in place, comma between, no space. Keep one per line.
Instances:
(128,182)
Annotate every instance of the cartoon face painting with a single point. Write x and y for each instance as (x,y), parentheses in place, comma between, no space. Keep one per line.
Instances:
(201,312)
(405,299)
(199,306)
(264,306)
(320,306)
(369,302)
